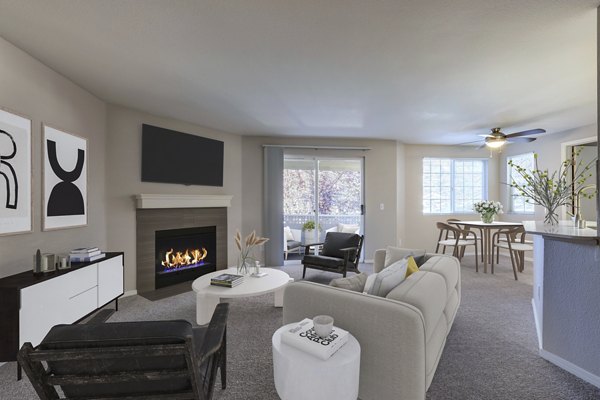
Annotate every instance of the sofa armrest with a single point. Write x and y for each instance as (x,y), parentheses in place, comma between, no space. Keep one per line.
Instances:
(391,335)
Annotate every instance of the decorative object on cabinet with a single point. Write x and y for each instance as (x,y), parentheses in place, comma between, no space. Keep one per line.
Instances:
(65,180)
(31,305)
(48,263)
(63,261)
(15,169)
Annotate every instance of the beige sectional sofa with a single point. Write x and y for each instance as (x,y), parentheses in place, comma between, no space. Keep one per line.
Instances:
(402,336)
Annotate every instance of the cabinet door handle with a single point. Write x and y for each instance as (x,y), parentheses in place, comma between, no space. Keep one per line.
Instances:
(80,293)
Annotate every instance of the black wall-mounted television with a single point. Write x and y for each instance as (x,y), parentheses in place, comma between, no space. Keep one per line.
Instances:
(175,157)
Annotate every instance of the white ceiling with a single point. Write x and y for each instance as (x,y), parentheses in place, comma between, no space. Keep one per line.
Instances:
(435,71)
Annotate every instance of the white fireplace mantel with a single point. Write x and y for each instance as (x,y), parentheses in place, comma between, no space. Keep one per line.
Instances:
(182,201)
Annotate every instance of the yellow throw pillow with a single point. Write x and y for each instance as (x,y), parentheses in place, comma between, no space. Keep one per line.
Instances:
(412,266)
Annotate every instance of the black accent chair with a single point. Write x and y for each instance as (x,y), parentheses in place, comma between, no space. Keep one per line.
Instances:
(129,360)
(340,253)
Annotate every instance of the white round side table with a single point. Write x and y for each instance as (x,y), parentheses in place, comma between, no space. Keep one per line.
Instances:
(300,376)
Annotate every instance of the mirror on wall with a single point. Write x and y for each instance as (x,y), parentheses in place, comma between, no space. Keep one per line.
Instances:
(583,152)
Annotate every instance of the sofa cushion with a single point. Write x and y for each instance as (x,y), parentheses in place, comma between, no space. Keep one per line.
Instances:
(381,283)
(425,291)
(323,261)
(287,233)
(393,254)
(356,283)
(347,228)
(293,244)
(334,241)
(446,266)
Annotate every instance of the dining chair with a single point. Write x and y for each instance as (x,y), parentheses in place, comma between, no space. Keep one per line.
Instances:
(479,238)
(459,239)
(513,240)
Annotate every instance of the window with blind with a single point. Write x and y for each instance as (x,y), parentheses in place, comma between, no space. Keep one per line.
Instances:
(518,204)
(451,186)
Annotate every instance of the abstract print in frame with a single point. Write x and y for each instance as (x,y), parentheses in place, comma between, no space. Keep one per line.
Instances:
(65,179)
(15,173)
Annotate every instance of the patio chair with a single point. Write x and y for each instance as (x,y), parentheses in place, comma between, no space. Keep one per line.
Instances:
(292,241)
(129,360)
(340,253)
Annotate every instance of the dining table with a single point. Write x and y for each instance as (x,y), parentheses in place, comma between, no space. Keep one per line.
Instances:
(486,229)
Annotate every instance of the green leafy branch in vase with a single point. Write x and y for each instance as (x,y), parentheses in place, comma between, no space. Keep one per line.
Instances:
(552,190)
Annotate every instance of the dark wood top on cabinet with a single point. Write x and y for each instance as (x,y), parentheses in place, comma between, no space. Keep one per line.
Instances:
(27,278)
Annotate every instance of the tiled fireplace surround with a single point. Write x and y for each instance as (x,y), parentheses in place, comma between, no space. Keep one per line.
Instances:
(162,212)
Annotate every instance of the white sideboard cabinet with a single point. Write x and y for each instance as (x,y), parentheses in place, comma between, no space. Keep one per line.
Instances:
(31,305)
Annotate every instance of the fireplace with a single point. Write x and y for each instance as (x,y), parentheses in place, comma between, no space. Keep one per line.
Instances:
(184,254)
(158,213)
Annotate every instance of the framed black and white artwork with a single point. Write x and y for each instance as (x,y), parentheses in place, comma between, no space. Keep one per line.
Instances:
(15,173)
(65,179)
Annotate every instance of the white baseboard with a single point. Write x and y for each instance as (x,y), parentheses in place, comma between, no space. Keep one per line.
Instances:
(538,328)
(129,293)
(570,367)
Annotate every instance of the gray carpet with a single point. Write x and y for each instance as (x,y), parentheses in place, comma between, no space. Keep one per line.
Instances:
(491,352)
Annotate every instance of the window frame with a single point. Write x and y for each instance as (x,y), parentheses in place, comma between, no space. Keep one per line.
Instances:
(453,211)
(511,190)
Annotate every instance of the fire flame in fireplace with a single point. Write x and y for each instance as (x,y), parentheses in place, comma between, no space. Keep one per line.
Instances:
(175,259)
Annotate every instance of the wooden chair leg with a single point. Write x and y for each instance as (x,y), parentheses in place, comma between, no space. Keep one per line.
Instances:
(494,248)
(514,266)
(476,258)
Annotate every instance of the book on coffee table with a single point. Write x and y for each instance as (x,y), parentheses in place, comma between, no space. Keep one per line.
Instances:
(303,337)
(227,280)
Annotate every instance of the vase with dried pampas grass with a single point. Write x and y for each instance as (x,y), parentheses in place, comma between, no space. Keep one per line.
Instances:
(246,259)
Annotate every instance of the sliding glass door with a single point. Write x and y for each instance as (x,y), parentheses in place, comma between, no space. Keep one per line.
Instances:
(326,193)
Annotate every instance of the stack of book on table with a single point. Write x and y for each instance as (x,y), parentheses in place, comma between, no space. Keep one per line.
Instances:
(86,254)
(303,337)
(227,280)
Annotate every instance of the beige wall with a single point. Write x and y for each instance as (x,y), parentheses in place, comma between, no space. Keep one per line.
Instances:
(549,153)
(420,229)
(28,87)
(123,166)
(380,183)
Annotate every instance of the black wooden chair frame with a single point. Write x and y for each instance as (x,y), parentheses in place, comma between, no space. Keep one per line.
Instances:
(347,265)
(210,357)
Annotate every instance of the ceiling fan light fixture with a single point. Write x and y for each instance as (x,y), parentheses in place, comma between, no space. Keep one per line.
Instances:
(495,143)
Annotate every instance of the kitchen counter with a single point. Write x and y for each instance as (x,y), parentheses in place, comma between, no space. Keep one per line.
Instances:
(566,299)
(565,230)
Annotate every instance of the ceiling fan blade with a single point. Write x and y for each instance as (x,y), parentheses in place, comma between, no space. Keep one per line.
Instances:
(481,147)
(466,143)
(486,135)
(526,133)
(520,139)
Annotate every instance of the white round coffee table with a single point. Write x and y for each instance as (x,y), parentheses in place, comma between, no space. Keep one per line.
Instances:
(208,296)
(299,375)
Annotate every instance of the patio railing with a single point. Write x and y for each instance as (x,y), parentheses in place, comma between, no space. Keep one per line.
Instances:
(295,221)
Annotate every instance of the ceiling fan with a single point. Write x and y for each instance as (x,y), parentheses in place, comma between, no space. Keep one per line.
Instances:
(498,139)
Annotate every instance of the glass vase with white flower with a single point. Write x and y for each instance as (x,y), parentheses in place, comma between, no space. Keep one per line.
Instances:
(488,209)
